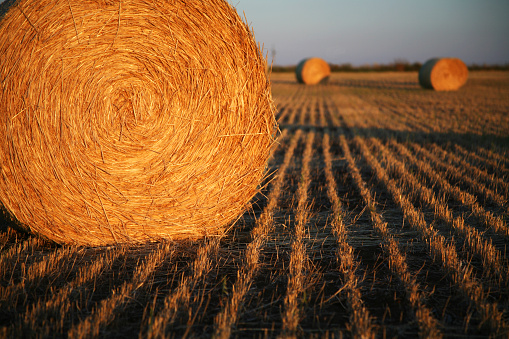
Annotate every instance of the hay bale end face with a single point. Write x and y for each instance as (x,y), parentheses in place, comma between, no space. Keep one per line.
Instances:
(443,74)
(130,121)
(313,71)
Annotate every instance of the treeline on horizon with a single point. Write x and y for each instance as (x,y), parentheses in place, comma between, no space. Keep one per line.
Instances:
(398,66)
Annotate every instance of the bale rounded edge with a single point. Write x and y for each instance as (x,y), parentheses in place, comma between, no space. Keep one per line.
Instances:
(443,74)
(312,71)
(127,123)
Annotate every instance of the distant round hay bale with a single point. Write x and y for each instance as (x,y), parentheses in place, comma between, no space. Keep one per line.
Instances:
(130,121)
(312,71)
(443,74)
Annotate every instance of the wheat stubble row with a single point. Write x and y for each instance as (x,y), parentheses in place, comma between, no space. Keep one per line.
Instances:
(397,262)
(491,257)
(440,247)
(365,231)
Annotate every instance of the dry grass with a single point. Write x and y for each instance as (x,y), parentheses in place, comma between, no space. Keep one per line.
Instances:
(386,217)
(130,121)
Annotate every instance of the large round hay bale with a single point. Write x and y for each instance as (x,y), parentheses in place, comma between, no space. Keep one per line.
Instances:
(130,121)
(312,71)
(443,74)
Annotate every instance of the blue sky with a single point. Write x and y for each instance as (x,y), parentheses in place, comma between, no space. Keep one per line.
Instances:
(375,31)
(380,31)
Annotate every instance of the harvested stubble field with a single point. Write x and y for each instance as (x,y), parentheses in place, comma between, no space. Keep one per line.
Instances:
(388,217)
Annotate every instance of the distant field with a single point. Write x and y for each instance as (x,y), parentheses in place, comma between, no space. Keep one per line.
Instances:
(387,216)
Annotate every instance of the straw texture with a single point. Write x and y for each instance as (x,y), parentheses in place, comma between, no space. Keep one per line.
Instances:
(130,121)
(312,71)
(443,74)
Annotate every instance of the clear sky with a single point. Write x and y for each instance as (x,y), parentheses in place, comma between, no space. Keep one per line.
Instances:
(380,31)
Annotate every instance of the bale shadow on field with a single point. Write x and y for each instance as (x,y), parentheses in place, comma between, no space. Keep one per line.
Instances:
(7,222)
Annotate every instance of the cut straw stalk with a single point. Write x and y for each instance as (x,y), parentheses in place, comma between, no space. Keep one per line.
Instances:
(36,318)
(130,121)
(428,325)
(460,271)
(298,256)
(104,313)
(462,168)
(491,171)
(443,74)
(495,222)
(181,295)
(228,316)
(8,264)
(34,272)
(491,257)
(361,323)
